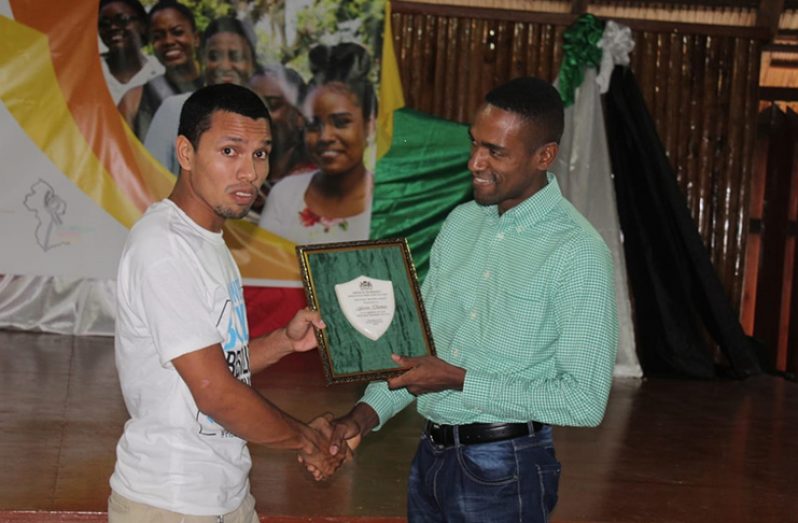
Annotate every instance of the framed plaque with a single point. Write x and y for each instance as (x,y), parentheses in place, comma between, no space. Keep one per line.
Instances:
(368,295)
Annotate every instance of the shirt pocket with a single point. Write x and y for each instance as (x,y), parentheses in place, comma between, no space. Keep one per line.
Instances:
(456,294)
(523,320)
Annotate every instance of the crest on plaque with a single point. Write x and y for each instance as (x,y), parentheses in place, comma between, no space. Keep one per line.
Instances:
(368,304)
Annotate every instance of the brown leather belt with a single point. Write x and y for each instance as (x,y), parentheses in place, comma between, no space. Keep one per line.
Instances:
(444,435)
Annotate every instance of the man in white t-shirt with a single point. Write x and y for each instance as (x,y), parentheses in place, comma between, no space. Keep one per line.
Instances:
(182,343)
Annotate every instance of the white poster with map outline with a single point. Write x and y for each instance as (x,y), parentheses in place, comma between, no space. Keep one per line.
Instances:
(48,226)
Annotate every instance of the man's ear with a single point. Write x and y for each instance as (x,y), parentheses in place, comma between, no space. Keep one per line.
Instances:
(545,156)
(185,152)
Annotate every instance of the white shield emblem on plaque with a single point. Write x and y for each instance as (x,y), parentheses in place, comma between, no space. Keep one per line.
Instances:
(368,304)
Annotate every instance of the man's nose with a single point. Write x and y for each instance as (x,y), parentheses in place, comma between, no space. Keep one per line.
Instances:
(248,171)
(477,161)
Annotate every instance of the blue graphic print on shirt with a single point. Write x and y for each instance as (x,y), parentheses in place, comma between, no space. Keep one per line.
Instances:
(236,345)
(232,324)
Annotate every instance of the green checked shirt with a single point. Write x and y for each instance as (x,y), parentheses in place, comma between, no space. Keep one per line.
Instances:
(525,302)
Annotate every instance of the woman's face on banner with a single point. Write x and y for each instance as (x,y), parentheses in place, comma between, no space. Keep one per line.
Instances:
(119,27)
(173,39)
(336,133)
(228,59)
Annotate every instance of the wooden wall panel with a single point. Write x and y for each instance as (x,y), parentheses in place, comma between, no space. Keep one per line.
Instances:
(448,63)
(699,85)
(773,276)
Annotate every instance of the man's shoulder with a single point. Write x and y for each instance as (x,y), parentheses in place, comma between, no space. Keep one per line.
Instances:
(152,227)
(577,239)
(583,230)
(462,221)
(163,232)
(467,211)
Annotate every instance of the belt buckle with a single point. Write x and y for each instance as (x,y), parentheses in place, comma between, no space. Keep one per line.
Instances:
(431,429)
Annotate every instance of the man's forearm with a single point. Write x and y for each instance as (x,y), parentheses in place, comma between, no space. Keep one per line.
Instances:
(267,350)
(244,412)
(241,410)
(365,417)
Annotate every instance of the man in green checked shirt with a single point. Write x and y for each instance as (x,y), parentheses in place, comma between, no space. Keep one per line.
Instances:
(521,303)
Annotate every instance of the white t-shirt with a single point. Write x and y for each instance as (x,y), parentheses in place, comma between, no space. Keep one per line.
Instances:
(151,68)
(287,215)
(178,290)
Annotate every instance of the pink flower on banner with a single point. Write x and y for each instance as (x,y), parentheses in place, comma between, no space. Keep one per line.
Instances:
(310,218)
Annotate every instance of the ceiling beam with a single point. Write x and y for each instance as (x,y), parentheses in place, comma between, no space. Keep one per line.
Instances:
(579,7)
(767,17)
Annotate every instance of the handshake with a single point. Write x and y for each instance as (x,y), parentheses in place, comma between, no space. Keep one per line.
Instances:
(330,442)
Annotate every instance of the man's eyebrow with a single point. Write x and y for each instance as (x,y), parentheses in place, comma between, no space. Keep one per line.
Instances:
(491,146)
(238,139)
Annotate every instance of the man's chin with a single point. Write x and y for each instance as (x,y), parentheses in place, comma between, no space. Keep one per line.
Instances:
(232,214)
(482,199)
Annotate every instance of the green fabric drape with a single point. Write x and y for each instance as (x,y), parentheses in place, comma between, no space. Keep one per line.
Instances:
(419,181)
(579,51)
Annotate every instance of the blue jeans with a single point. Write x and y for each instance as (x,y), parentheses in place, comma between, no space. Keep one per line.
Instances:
(512,480)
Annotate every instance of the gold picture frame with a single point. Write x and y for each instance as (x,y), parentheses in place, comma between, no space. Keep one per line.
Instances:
(351,285)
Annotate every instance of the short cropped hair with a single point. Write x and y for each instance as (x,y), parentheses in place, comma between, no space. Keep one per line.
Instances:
(535,100)
(195,117)
(187,13)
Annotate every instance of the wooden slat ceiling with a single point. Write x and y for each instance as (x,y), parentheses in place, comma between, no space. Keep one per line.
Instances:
(778,15)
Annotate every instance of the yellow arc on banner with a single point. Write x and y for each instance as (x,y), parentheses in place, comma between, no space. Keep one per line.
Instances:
(45,98)
(30,90)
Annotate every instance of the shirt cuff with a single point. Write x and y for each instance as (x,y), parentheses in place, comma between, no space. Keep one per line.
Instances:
(385,402)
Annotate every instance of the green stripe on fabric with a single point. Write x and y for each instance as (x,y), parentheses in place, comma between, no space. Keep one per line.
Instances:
(421,179)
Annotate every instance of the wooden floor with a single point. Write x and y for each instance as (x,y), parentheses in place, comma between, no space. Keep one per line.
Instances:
(667,451)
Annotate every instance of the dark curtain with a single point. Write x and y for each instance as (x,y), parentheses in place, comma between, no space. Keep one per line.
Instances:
(679,301)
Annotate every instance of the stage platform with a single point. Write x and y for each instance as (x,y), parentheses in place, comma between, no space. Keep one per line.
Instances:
(668,451)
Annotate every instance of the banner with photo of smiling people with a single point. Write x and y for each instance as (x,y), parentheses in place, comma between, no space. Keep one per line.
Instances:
(88,121)
(312,63)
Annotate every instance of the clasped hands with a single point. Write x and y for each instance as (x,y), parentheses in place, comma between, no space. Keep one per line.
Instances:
(330,447)
(343,435)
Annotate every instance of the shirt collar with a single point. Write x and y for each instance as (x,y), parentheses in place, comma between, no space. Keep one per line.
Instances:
(534,208)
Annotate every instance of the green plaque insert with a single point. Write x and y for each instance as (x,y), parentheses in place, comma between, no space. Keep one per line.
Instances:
(368,295)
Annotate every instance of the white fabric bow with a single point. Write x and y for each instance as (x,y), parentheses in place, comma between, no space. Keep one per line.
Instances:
(616,43)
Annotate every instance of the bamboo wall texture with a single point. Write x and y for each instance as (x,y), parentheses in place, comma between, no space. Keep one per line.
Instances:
(700,89)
